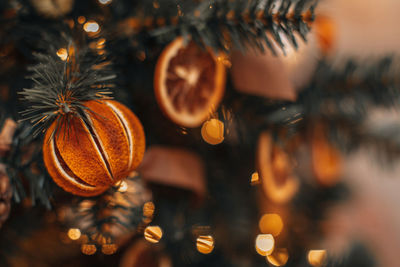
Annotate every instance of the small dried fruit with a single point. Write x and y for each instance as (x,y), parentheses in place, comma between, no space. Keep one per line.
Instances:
(189,82)
(275,170)
(326,159)
(87,158)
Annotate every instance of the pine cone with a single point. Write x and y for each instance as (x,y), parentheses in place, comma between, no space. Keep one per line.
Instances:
(5,196)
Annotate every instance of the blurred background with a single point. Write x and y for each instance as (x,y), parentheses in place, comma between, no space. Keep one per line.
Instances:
(214,217)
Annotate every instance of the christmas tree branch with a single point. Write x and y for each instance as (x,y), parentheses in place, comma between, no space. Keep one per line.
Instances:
(67,75)
(224,24)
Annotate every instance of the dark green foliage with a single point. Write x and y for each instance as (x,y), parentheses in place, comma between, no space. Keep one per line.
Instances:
(224,24)
(61,86)
(342,97)
(26,169)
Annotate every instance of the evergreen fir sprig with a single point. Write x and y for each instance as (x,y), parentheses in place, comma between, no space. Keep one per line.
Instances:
(353,87)
(62,80)
(225,24)
(345,97)
(26,169)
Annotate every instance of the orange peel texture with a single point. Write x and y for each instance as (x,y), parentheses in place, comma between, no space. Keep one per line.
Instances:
(87,159)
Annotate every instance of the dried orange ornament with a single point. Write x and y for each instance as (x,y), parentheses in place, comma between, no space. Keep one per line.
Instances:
(86,158)
(91,142)
(189,82)
(275,170)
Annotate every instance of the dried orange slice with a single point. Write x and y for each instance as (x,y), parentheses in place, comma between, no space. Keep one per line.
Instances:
(275,171)
(326,159)
(189,82)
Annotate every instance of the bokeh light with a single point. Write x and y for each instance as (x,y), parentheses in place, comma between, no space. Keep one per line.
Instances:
(212,131)
(123,187)
(88,249)
(271,223)
(153,234)
(205,244)
(255,179)
(91,26)
(317,257)
(148,209)
(279,257)
(74,233)
(105,2)
(62,54)
(108,249)
(265,244)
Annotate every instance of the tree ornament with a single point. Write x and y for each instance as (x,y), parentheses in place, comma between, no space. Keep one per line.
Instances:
(174,167)
(325,158)
(5,195)
(189,82)
(87,158)
(91,142)
(275,171)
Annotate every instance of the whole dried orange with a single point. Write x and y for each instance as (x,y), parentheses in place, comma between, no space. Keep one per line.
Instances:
(189,82)
(275,171)
(87,157)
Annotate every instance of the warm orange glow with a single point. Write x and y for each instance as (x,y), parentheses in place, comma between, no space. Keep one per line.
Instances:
(224,59)
(123,186)
(326,32)
(91,26)
(105,2)
(88,249)
(62,53)
(101,43)
(153,234)
(205,244)
(275,170)
(279,257)
(326,159)
(141,55)
(212,131)
(271,224)
(108,249)
(255,179)
(265,244)
(148,209)
(81,19)
(317,257)
(74,233)
(156,5)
